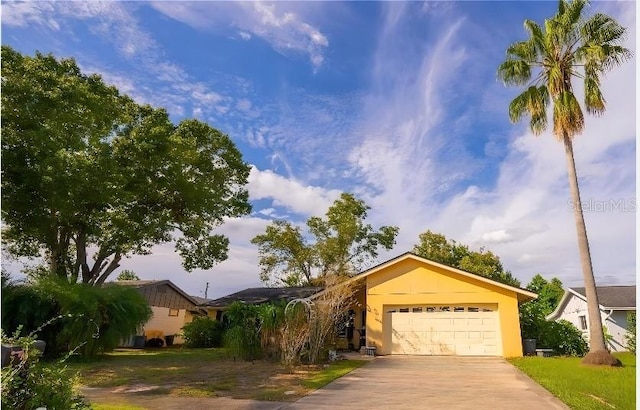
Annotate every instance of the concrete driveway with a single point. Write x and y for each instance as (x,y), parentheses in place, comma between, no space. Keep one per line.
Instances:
(432,382)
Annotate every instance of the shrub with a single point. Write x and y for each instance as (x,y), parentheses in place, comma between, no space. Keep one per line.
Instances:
(243,335)
(563,337)
(98,318)
(203,332)
(24,307)
(630,336)
(29,384)
(271,316)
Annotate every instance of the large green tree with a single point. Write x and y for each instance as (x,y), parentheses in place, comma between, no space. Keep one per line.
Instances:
(438,248)
(90,177)
(568,46)
(341,244)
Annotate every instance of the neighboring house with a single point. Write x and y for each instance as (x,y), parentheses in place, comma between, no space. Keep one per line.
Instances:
(410,305)
(171,307)
(615,303)
(257,296)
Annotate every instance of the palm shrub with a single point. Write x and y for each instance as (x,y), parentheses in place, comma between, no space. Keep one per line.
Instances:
(96,318)
(202,332)
(24,307)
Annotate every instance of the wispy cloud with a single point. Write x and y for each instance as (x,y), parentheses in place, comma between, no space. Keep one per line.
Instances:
(152,78)
(418,172)
(286,31)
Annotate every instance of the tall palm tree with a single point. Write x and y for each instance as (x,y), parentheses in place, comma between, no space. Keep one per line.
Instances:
(569,46)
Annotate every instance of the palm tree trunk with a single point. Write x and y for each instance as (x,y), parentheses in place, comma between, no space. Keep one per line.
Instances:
(596,335)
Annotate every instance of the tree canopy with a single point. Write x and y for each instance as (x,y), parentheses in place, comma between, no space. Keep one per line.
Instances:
(127,275)
(549,293)
(90,177)
(438,248)
(341,243)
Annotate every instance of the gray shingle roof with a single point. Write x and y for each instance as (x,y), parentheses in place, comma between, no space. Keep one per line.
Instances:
(140,284)
(264,295)
(613,297)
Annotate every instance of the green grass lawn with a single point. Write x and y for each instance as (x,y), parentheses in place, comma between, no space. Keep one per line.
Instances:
(201,373)
(584,387)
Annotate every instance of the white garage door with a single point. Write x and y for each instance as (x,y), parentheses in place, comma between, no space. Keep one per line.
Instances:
(445,330)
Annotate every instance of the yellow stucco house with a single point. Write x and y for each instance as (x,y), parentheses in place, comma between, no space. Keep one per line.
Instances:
(414,306)
(410,305)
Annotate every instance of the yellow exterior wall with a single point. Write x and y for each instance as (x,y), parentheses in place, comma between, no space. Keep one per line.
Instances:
(357,306)
(411,282)
(161,324)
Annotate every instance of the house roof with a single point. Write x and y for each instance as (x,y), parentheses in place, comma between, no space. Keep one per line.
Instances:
(140,284)
(200,300)
(613,297)
(522,294)
(609,297)
(263,295)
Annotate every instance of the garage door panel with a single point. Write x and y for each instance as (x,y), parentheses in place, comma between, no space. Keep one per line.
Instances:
(444,333)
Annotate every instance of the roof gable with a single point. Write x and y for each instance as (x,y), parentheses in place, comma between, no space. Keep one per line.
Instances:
(144,286)
(523,295)
(609,298)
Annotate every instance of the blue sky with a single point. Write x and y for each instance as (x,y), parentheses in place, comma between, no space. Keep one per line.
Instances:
(397,102)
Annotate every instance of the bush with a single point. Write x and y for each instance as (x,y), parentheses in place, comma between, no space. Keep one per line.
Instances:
(29,384)
(630,336)
(563,337)
(203,332)
(243,335)
(24,307)
(271,316)
(96,318)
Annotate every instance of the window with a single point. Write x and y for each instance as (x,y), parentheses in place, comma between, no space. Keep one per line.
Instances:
(458,309)
(417,310)
(473,309)
(583,322)
(174,312)
(404,310)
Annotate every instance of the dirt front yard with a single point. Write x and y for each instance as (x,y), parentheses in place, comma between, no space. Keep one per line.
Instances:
(136,376)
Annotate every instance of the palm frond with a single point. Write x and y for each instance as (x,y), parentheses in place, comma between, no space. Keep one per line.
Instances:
(532,102)
(593,99)
(523,50)
(567,115)
(514,72)
(536,40)
(602,29)
(567,21)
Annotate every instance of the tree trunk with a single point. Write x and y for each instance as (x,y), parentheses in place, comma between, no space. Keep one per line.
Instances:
(596,334)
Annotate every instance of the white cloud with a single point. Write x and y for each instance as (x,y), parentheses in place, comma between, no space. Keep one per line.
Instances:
(289,193)
(244,35)
(22,14)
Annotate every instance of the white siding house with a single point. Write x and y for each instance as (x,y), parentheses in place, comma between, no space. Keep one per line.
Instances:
(615,303)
